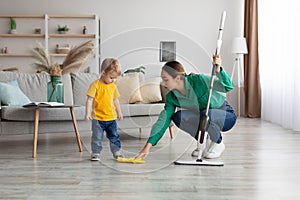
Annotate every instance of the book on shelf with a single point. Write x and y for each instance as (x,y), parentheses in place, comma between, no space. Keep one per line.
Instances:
(44,104)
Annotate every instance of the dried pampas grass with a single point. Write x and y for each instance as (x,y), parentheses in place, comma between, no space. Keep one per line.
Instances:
(41,54)
(77,57)
(74,60)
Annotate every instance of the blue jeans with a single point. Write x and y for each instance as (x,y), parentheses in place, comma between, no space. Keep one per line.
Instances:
(110,127)
(221,119)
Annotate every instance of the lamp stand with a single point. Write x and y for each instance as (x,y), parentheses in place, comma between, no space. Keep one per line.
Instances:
(240,72)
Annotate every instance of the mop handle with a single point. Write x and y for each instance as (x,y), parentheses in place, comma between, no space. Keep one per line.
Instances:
(218,49)
(204,120)
(221,27)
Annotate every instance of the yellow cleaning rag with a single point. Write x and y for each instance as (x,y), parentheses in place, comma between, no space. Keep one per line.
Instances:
(131,160)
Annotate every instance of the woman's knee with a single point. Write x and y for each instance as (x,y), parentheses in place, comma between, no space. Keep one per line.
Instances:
(229,123)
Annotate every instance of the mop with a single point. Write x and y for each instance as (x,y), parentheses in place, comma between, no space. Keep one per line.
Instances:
(131,160)
(205,118)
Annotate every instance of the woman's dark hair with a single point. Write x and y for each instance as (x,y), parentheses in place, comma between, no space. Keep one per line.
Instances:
(174,68)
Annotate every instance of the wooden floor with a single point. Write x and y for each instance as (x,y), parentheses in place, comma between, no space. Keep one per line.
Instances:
(262,161)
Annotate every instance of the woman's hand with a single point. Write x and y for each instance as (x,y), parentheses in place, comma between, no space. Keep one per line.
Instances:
(144,152)
(217,61)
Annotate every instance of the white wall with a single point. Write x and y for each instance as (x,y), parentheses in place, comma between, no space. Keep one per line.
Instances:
(131,30)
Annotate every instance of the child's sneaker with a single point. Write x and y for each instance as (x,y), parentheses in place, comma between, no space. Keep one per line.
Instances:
(95,157)
(118,154)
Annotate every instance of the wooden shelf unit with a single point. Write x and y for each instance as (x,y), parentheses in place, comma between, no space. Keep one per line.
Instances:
(22,35)
(21,16)
(72,35)
(74,16)
(15,55)
(48,37)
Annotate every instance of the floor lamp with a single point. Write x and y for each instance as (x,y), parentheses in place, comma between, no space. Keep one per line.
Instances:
(239,48)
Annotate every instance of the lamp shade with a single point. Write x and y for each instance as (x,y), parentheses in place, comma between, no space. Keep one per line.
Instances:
(239,46)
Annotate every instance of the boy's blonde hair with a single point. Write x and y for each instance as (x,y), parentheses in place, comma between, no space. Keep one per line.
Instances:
(111,64)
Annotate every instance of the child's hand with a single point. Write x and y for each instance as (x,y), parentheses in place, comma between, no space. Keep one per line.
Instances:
(120,116)
(88,117)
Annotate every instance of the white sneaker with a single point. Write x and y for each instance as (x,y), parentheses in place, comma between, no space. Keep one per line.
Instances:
(95,157)
(195,153)
(118,154)
(205,147)
(215,150)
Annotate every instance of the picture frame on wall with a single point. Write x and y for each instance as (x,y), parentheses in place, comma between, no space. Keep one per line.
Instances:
(167,51)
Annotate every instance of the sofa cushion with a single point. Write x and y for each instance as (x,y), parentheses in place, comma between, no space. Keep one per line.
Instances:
(80,83)
(34,86)
(132,110)
(68,93)
(11,94)
(137,122)
(150,90)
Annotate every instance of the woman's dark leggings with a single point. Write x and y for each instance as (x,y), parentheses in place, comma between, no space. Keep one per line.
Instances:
(221,119)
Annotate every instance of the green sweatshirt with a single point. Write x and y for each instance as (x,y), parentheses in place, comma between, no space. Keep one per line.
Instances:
(197,92)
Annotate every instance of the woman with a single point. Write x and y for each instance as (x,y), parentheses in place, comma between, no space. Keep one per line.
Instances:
(190,94)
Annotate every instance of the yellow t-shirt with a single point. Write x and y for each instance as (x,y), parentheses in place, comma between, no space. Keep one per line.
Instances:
(103,105)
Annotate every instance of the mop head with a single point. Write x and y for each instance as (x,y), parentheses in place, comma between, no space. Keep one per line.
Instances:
(199,162)
(131,160)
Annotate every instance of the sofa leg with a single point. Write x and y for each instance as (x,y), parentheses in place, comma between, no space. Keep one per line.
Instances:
(171,131)
(140,132)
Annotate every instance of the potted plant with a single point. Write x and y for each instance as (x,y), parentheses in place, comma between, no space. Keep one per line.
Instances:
(13,26)
(74,60)
(62,29)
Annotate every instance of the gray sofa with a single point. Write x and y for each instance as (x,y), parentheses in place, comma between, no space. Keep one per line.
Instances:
(19,120)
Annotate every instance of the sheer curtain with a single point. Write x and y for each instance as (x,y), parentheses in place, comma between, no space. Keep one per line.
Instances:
(278,29)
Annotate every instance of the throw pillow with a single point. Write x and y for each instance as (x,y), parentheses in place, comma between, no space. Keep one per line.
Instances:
(12,95)
(140,70)
(150,90)
(128,87)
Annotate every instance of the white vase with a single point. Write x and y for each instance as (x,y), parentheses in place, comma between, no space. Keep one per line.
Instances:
(62,32)
(13,31)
